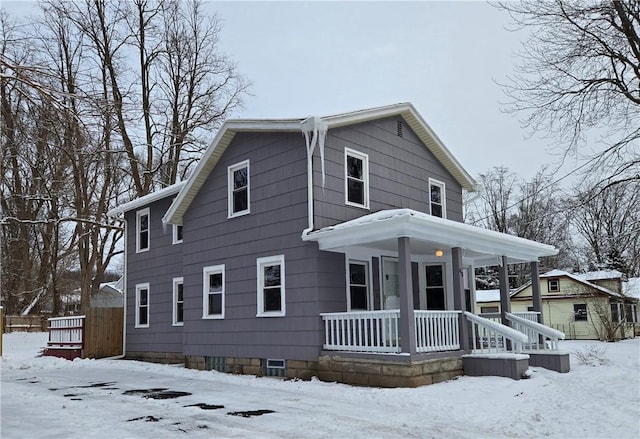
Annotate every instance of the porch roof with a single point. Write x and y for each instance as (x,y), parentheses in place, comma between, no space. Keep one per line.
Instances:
(381,230)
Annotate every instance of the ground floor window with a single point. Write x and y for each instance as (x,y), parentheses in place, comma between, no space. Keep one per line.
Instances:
(616,312)
(631,313)
(178,301)
(142,305)
(580,312)
(271,286)
(213,292)
(489,309)
(358,289)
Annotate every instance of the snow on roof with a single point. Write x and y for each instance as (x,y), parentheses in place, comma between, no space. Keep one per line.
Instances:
(580,279)
(147,199)
(600,275)
(483,296)
(631,287)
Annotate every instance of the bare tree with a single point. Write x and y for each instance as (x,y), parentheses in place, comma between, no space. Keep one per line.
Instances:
(491,209)
(580,70)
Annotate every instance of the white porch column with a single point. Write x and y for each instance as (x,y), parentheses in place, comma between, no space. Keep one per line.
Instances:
(535,291)
(459,297)
(505,302)
(407,319)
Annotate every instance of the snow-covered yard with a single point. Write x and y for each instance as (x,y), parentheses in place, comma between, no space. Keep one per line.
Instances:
(54,398)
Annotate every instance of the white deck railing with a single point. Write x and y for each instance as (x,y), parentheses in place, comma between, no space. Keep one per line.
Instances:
(437,331)
(536,332)
(66,332)
(492,337)
(362,331)
(532,316)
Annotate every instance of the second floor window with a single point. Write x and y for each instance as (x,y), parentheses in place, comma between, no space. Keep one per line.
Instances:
(177,234)
(142,230)
(356,178)
(238,187)
(437,198)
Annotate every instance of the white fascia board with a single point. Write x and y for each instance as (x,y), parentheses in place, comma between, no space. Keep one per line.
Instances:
(146,199)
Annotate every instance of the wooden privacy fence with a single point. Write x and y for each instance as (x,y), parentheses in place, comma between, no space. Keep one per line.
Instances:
(24,324)
(97,334)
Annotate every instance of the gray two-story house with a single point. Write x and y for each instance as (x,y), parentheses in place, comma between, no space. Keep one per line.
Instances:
(328,246)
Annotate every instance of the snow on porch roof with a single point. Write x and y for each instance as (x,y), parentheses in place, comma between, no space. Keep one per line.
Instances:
(380,229)
(228,130)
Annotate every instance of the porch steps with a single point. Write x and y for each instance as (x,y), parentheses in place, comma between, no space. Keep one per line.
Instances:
(512,365)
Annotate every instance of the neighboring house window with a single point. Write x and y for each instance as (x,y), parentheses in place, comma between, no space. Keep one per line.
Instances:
(580,312)
(553,285)
(630,313)
(178,301)
(489,309)
(213,292)
(271,289)
(177,234)
(238,189)
(358,290)
(437,197)
(142,230)
(617,312)
(142,305)
(530,309)
(356,178)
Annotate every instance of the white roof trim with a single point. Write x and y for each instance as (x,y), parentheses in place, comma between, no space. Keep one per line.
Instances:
(230,127)
(145,200)
(390,224)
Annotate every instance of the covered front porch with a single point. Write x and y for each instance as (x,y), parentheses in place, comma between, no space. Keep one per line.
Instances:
(410,287)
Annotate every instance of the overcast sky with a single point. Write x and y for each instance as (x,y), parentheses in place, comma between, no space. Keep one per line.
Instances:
(321,58)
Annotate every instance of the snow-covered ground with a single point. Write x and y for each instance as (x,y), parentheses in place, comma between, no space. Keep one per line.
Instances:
(45,397)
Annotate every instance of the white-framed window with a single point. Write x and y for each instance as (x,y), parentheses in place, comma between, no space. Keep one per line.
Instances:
(356,178)
(142,305)
(177,234)
(553,285)
(434,279)
(630,313)
(617,312)
(437,198)
(213,292)
(271,288)
(178,301)
(358,286)
(238,185)
(580,312)
(142,230)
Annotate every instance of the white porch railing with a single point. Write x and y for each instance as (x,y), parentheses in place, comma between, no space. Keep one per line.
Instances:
(532,316)
(536,332)
(362,331)
(437,331)
(66,332)
(490,337)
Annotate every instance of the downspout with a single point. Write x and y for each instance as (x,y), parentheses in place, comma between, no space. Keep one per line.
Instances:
(124,299)
(315,133)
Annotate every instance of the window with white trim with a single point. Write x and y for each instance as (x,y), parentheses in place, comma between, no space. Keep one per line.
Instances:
(177,234)
(142,305)
(356,178)
(630,313)
(142,230)
(553,285)
(238,189)
(178,301)
(213,292)
(358,286)
(437,198)
(617,312)
(271,288)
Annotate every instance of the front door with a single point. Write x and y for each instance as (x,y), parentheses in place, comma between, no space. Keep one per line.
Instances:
(390,284)
(434,275)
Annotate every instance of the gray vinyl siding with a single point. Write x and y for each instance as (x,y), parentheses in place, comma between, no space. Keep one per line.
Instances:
(314,280)
(399,172)
(157,266)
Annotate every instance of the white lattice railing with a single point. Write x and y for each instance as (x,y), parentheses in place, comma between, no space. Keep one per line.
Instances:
(492,337)
(362,331)
(66,332)
(537,333)
(437,331)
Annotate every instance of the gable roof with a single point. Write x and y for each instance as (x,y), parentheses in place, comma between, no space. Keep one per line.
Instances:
(631,288)
(601,275)
(576,278)
(230,127)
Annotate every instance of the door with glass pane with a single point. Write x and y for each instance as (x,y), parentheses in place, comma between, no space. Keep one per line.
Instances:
(358,289)
(434,275)
(390,284)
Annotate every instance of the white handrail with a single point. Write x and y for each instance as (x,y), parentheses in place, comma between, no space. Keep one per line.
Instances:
(492,337)
(535,331)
